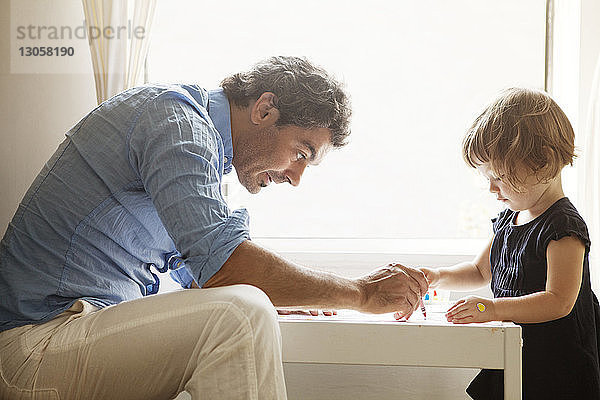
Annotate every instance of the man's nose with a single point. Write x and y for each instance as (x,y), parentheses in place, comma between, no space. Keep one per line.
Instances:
(493,187)
(294,173)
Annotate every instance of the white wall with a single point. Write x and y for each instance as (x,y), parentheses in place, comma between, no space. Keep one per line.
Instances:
(576,52)
(589,57)
(589,52)
(35,112)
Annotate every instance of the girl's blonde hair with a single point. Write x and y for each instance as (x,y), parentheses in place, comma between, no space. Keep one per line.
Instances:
(521,129)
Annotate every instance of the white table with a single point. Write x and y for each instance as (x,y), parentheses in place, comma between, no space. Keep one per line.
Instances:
(352,338)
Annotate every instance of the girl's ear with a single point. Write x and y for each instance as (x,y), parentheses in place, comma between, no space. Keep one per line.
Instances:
(548,165)
(263,111)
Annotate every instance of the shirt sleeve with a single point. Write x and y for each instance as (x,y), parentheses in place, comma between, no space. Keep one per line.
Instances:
(562,225)
(501,220)
(177,153)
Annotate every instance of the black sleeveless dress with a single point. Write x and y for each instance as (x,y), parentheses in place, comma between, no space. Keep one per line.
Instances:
(560,357)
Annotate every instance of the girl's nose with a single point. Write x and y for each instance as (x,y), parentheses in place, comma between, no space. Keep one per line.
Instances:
(493,187)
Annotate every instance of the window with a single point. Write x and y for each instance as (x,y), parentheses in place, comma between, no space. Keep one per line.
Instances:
(418,74)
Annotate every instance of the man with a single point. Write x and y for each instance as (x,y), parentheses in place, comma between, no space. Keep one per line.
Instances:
(136,186)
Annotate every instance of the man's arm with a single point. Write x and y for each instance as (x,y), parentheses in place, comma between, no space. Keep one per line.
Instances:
(392,288)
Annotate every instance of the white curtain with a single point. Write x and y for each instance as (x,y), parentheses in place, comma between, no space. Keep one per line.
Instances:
(589,187)
(119,35)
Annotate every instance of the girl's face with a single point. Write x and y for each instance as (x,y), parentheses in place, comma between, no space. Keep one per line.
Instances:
(533,195)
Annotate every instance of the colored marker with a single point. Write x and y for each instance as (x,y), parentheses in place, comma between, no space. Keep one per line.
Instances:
(423,308)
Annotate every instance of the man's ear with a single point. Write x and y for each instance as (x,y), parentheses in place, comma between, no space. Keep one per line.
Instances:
(263,111)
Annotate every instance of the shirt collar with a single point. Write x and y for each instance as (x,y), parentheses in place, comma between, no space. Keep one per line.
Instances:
(218,110)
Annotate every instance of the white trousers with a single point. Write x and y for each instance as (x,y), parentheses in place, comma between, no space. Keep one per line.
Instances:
(220,343)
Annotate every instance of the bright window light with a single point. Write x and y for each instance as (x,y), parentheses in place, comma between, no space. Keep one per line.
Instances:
(418,74)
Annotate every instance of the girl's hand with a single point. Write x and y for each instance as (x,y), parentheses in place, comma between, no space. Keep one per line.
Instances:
(471,309)
(432,276)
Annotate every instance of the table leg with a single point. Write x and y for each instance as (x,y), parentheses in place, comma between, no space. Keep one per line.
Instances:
(512,363)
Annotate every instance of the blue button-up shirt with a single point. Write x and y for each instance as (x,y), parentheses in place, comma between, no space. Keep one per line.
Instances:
(136,184)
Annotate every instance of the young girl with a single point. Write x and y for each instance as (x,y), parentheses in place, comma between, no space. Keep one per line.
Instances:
(537,260)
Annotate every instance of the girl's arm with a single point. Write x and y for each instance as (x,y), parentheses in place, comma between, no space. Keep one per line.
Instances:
(565,268)
(464,276)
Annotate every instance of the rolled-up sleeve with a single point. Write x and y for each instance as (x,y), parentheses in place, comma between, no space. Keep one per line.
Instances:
(178,155)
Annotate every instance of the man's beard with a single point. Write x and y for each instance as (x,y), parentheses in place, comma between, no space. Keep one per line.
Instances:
(249,182)
(248,172)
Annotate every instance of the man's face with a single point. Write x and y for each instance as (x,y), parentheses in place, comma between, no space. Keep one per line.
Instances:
(279,155)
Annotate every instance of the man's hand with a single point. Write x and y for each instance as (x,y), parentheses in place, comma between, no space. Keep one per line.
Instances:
(392,288)
(300,311)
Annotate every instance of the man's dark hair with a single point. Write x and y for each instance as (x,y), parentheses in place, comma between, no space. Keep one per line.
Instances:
(306,95)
